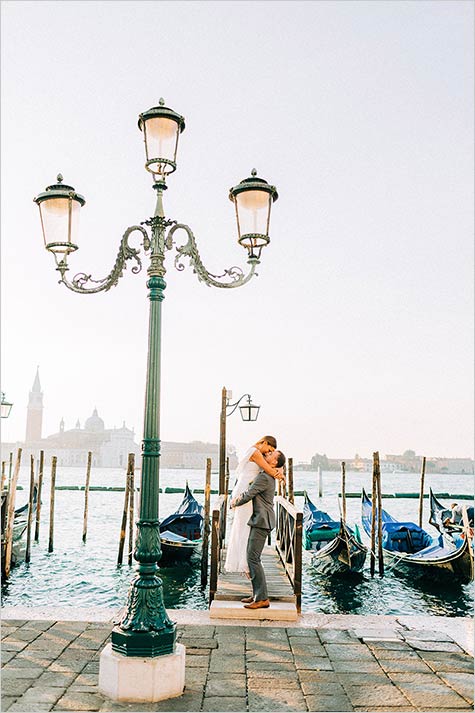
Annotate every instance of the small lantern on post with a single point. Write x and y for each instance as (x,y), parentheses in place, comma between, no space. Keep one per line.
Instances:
(6,407)
(161,128)
(253,199)
(59,206)
(249,411)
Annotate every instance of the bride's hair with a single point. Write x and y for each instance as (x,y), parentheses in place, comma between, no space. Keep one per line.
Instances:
(270,440)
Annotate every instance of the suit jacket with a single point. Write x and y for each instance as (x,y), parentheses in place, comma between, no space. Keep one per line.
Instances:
(261,492)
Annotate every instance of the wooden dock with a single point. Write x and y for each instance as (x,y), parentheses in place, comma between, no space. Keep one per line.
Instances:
(232,587)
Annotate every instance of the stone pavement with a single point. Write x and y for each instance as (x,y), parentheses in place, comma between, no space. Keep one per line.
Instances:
(53,666)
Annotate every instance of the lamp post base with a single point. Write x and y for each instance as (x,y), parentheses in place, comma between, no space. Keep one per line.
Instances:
(134,679)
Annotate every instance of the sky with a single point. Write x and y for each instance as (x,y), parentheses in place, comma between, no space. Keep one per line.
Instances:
(356,335)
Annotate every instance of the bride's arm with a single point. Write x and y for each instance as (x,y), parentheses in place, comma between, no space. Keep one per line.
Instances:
(259,459)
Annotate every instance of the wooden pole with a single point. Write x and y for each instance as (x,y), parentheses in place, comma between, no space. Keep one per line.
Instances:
(226,494)
(38,496)
(421,494)
(30,509)
(131,469)
(222,441)
(11,515)
(320,482)
(206,528)
(10,468)
(4,475)
(373,520)
(468,532)
(54,461)
(290,474)
(123,525)
(343,490)
(86,496)
(380,518)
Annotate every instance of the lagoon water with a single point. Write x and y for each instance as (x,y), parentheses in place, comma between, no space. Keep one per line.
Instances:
(85,575)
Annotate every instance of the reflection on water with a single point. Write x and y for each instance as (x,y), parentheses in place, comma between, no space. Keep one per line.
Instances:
(395,593)
(85,575)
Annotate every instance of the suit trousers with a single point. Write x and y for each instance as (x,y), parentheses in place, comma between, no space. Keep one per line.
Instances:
(255,545)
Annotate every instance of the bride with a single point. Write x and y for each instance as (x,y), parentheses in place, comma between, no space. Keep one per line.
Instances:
(252,462)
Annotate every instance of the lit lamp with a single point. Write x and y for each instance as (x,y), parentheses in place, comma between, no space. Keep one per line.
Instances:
(143,661)
(253,199)
(161,128)
(59,206)
(6,407)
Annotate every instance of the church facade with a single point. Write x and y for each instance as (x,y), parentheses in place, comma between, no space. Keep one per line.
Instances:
(109,446)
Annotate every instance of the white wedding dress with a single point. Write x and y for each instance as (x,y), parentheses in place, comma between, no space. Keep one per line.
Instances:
(236,557)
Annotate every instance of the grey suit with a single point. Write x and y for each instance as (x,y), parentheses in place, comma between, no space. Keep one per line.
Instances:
(261,522)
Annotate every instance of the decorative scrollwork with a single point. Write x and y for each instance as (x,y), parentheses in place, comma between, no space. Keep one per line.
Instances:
(145,609)
(81,279)
(234,275)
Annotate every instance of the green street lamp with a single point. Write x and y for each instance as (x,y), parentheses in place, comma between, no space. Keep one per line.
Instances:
(145,629)
(6,406)
(249,412)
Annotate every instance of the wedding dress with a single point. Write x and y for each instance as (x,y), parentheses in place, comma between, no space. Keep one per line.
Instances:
(236,557)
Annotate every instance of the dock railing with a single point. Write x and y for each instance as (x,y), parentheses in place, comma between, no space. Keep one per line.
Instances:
(288,543)
(218,530)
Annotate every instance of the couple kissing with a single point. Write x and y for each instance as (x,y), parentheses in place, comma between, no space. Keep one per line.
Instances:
(252,502)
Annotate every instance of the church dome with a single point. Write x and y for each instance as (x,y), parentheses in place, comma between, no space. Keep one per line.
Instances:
(94,422)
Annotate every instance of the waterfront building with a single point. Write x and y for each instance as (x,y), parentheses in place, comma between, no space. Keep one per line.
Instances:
(407,462)
(109,446)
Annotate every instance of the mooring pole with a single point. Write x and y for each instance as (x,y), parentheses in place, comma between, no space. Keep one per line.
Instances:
(54,460)
(38,501)
(30,509)
(123,525)
(380,518)
(343,490)
(206,527)
(421,494)
(11,515)
(372,559)
(86,496)
(320,482)
(290,474)
(131,468)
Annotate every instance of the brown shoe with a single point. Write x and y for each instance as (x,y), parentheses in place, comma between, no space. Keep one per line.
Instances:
(258,605)
(247,600)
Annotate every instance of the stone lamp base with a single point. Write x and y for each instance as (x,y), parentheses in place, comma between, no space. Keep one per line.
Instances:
(130,678)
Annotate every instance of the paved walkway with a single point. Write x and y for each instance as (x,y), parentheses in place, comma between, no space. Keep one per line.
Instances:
(53,665)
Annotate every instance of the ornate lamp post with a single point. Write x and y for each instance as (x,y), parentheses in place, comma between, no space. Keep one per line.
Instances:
(145,629)
(6,407)
(249,412)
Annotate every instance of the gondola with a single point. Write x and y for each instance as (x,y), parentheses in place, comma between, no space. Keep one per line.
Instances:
(336,548)
(181,532)
(439,514)
(412,550)
(20,524)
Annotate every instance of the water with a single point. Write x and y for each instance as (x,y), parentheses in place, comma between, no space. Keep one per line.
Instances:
(86,575)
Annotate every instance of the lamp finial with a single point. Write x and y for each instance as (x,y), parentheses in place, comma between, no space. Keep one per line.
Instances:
(253,172)
(59,178)
(161,101)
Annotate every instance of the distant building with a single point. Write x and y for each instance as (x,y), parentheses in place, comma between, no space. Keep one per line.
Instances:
(408,462)
(34,418)
(109,446)
(452,465)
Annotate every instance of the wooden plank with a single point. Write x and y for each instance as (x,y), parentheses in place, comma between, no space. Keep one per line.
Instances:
(233,585)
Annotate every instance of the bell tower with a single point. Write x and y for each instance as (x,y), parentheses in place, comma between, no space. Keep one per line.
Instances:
(34,416)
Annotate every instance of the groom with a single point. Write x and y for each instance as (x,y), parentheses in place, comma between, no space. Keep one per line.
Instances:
(262,521)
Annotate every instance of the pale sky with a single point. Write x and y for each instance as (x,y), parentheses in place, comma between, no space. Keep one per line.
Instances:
(357,334)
